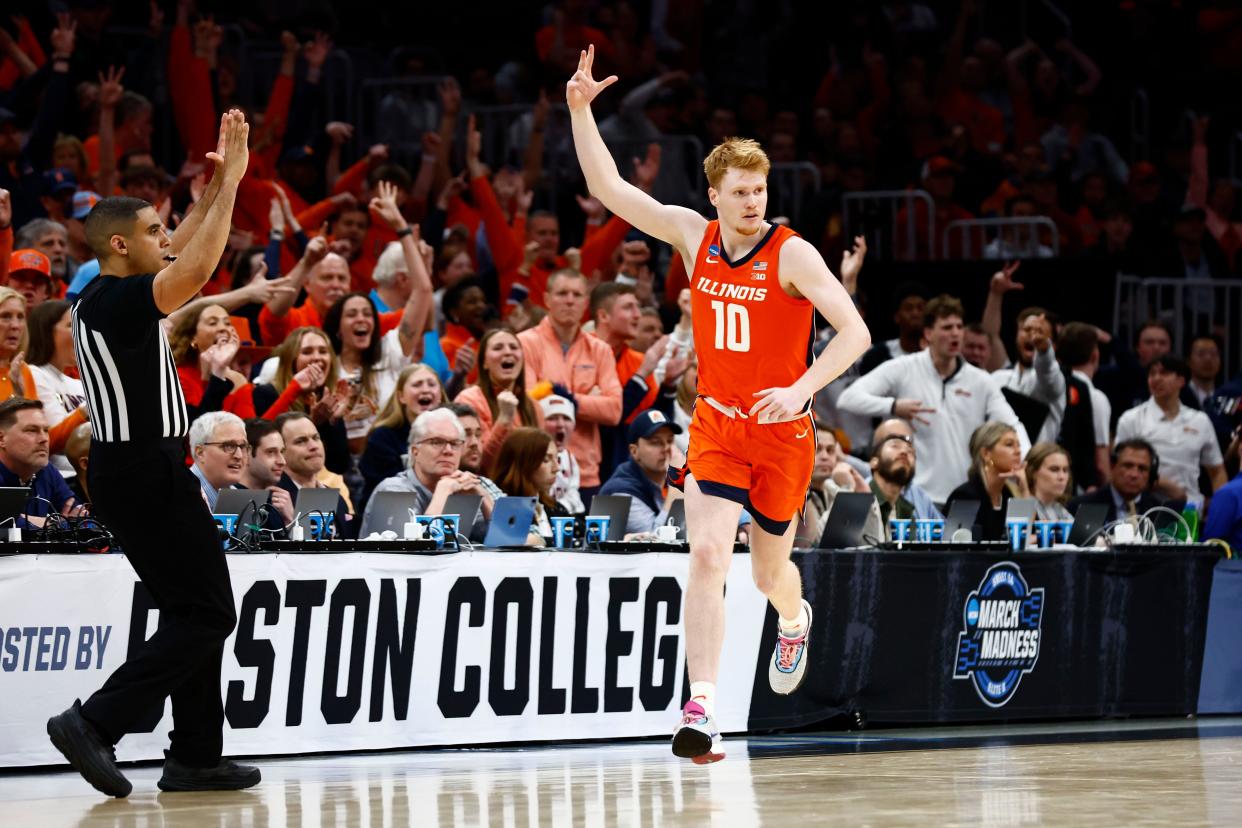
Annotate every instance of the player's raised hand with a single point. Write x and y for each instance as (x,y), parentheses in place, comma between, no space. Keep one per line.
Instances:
(582,87)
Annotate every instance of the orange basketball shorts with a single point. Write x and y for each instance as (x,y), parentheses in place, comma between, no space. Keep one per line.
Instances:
(766,468)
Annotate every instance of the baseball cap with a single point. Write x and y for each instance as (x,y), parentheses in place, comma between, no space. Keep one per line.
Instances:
(649,422)
(87,272)
(30,259)
(555,404)
(58,181)
(83,201)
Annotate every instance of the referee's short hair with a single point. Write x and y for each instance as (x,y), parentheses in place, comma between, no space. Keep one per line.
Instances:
(10,407)
(112,216)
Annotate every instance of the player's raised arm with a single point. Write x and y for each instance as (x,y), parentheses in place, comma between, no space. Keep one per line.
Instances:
(679,226)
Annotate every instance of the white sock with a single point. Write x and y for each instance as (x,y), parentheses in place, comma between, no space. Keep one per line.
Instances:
(792,627)
(704,692)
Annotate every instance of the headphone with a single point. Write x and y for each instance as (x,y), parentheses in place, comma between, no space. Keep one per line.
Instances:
(1141,445)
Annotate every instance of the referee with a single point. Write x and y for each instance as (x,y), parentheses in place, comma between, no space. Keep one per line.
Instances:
(139,425)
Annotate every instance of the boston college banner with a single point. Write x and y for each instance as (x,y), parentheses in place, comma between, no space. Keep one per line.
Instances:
(338,652)
(366,651)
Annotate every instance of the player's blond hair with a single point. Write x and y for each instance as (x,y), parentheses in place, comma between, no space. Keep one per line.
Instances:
(738,153)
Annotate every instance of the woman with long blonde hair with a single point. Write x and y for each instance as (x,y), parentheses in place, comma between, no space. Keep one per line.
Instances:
(996,474)
(308,376)
(499,397)
(16,378)
(418,390)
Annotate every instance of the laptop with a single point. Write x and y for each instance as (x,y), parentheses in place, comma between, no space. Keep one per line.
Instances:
(1088,519)
(241,502)
(388,511)
(13,502)
(616,507)
(963,514)
(844,528)
(467,507)
(315,500)
(1020,508)
(511,520)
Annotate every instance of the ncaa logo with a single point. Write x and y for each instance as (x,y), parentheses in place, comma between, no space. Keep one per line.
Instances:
(1000,642)
(712,250)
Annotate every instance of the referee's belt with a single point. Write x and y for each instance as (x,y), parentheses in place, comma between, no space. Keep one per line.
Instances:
(733,412)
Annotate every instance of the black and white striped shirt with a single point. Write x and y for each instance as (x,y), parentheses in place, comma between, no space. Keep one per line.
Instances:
(132,388)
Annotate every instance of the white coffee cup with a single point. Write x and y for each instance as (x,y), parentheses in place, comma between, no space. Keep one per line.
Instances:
(667,533)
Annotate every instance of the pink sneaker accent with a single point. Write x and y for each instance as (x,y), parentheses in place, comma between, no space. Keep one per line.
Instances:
(787,650)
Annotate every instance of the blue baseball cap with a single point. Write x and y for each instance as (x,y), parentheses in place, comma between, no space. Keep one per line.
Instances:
(649,422)
(58,181)
(87,272)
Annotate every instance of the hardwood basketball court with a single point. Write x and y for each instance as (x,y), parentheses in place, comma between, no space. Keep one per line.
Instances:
(1155,772)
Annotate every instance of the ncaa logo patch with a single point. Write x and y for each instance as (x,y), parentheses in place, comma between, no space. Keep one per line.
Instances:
(1000,641)
(713,250)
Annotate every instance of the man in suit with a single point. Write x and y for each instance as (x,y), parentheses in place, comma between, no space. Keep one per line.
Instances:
(1128,492)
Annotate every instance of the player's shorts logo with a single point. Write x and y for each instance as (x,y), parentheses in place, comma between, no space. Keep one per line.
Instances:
(1000,642)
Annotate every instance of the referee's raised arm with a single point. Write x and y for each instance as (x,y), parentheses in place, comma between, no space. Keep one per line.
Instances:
(206,229)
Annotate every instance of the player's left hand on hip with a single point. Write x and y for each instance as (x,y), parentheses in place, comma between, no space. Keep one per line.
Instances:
(777,403)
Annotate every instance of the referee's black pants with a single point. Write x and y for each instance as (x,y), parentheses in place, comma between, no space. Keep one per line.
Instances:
(170,539)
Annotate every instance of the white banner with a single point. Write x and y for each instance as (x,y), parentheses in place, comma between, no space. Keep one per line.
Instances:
(366,650)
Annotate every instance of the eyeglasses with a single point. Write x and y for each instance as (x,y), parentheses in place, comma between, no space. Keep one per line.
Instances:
(905,438)
(440,444)
(230,448)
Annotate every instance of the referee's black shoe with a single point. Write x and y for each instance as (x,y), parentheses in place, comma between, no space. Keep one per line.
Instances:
(227,775)
(74,737)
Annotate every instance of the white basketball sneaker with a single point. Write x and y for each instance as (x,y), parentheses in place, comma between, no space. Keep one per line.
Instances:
(696,737)
(788,667)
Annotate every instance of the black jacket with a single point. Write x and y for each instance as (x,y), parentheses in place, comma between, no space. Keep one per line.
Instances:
(990,523)
(1104,495)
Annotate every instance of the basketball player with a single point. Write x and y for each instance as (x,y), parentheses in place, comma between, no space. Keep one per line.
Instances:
(755,288)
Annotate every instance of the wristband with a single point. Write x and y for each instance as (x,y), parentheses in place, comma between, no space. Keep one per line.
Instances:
(405,231)
(278,235)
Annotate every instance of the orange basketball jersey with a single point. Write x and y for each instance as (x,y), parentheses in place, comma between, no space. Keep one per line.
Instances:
(749,333)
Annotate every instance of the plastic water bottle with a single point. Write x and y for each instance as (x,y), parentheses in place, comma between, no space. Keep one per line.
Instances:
(1190,514)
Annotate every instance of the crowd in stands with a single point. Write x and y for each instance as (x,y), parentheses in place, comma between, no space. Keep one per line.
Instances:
(403,317)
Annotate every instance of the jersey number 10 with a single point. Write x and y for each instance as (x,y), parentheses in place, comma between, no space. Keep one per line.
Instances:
(732,326)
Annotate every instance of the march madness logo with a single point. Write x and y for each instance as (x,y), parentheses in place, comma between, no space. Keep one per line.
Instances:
(1001,641)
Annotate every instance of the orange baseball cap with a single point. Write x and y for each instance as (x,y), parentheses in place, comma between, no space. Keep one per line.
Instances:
(30,259)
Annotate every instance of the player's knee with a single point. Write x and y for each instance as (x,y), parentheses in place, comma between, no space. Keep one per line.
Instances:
(710,561)
(767,577)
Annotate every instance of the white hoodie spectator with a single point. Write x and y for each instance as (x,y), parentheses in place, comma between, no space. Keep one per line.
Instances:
(944,397)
